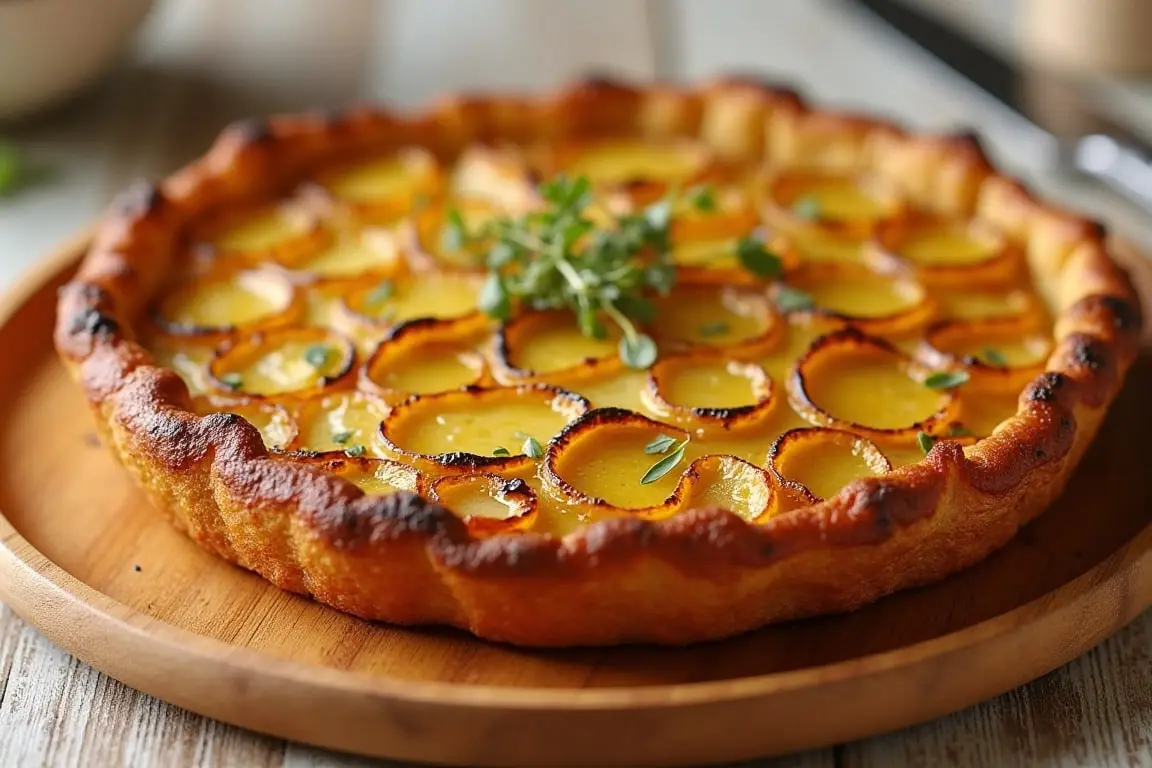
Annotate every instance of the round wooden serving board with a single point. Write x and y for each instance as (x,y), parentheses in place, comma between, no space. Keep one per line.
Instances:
(89,563)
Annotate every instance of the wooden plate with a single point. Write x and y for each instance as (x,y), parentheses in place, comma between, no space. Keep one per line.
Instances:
(87,562)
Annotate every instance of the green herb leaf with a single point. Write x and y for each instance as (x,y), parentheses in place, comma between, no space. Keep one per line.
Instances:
(660,277)
(532,448)
(557,258)
(10,169)
(590,324)
(579,194)
(318,355)
(573,230)
(994,356)
(789,299)
(946,379)
(552,190)
(757,259)
(666,464)
(702,198)
(232,380)
(659,444)
(566,193)
(638,352)
(925,441)
(342,436)
(493,299)
(454,236)
(354,451)
(659,215)
(500,451)
(718,328)
(807,207)
(638,308)
(956,429)
(500,254)
(17,173)
(380,293)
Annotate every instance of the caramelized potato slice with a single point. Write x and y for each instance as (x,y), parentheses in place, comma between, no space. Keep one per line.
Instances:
(284,233)
(952,253)
(829,216)
(487,503)
(538,346)
(701,316)
(707,392)
(296,361)
(857,383)
(341,422)
(385,188)
(813,464)
(275,423)
(478,428)
(376,477)
(623,462)
(221,303)
(424,357)
(617,163)
(998,355)
(873,301)
(392,301)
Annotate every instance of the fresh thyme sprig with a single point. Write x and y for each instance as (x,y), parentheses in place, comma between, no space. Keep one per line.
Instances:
(232,380)
(995,357)
(665,465)
(659,444)
(807,207)
(532,448)
(946,379)
(557,258)
(317,355)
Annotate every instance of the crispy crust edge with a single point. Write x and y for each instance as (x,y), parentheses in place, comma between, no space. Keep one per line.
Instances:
(702,574)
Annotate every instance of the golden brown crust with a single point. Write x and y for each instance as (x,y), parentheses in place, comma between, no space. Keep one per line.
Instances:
(703,573)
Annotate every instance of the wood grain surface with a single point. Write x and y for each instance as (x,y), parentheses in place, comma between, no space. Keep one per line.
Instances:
(203,62)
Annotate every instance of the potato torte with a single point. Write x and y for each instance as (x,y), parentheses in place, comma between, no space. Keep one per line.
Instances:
(616,364)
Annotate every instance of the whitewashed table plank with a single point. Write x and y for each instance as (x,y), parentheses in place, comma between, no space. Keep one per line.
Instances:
(816,758)
(55,710)
(300,756)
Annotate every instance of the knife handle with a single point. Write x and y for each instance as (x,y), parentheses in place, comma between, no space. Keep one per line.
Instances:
(1125,166)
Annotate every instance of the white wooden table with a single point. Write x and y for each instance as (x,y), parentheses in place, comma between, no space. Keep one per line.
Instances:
(202,63)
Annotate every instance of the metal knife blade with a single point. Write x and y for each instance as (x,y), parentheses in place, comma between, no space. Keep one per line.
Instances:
(1089,142)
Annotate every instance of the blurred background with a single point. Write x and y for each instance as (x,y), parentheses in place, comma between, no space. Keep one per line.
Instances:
(96,94)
